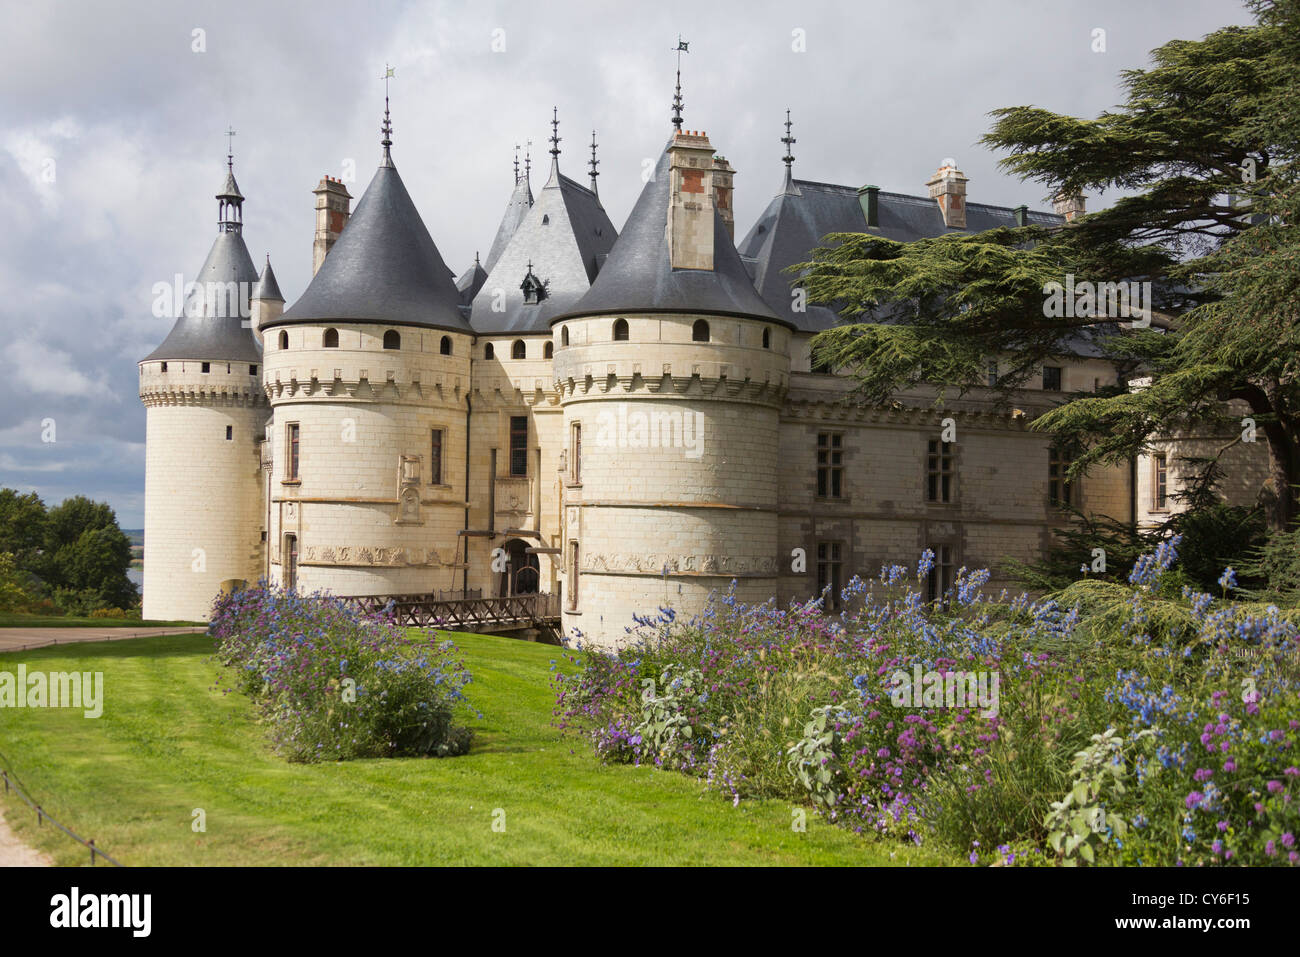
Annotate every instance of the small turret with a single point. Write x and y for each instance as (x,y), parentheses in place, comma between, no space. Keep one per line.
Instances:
(267,303)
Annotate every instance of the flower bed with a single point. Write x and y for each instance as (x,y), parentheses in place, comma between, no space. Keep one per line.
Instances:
(335,684)
(1143,724)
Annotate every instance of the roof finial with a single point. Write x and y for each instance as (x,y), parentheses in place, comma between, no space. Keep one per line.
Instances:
(555,132)
(516,163)
(230,149)
(594,162)
(528,159)
(788,159)
(387,128)
(682,47)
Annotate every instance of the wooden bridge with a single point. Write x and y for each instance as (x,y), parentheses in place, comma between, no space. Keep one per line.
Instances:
(476,614)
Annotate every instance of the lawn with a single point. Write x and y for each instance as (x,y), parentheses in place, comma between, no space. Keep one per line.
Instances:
(170,741)
(14,619)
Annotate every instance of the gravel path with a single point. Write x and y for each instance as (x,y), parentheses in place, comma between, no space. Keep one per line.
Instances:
(14,853)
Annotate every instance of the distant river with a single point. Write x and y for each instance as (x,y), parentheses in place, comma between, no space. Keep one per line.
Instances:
(136,575)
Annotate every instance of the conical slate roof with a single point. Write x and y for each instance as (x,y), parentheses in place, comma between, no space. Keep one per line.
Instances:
(471,281)
(638,275)
(208,334)
(521,200)
(229,189)
(563,240)
(383,269)
(267,287)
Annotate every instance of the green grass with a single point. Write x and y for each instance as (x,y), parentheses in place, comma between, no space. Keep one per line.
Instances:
(170,741)
(16,619)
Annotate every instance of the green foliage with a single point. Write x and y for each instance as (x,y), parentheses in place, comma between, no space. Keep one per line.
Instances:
(14,595)
(1078,822)
(75,553)
(815,759)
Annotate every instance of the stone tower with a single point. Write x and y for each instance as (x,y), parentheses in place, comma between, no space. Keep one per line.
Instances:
(204,423)
(367,376)
(671,371)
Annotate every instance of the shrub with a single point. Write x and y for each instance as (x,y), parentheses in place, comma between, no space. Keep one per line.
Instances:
(109,613)
(1115,723)
(334,683)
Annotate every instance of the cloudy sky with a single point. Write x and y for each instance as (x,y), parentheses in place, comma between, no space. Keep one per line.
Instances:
(112,119)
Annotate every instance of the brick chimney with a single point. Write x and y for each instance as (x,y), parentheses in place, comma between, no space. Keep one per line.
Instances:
(1070,206)
(722,189)
(333,207)
(690,205)
(948,187)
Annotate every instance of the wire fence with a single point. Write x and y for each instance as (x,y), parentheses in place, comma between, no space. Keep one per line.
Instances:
(11,783)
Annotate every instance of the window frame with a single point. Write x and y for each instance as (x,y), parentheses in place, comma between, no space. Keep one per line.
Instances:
(829,559)
(940,468)
(437,442)
(518,452)
(292,452)
(830,467)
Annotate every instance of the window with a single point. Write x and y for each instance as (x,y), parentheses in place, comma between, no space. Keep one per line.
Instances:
(700,331)
(392,339)
(205,367)
(290,562)
(1060,491)
(940,469)
(767,338)
(620,330)
(1159,482)
(830,465)
(575,452)
(940,578)
(487,351)
(993,373)
(435,457)
(284,340)
(252,370)
(230,432)
(1051,378)
(444,347)
(164,367)
(830,572)
(518,445)
(519,350)
(564,336)
(572,583)
(291,440)
(331,339)
(548,350)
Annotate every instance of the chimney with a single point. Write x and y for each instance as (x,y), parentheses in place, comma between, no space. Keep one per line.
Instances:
(333,207)
(869,200)
(690,205)
(1070,206)
(722,189)
(948,187)
(1022,215)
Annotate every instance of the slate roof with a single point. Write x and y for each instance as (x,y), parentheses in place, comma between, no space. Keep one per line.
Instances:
(798,217)
(383,269)
(267,287)
(566,236)
(470,282)
(638,275)
(521,200)
(207,335)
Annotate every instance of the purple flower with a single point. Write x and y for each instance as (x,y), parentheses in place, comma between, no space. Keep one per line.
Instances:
(1194,800)
(1274,787)
(1217,847)
(1229,765)
(1270,848)
(1288,839)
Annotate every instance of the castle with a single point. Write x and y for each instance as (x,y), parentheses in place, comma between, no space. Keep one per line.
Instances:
(626,420)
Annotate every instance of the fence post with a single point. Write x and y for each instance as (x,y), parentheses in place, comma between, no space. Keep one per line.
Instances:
(91,842)
(39,814)
(5,775)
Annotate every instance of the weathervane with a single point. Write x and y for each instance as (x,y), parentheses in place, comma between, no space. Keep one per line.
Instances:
(528,159)
(682,47)
(555,132)
(594,162)
(230,148)
(516,162)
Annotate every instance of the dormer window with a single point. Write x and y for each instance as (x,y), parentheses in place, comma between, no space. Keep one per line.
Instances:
(533,288)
